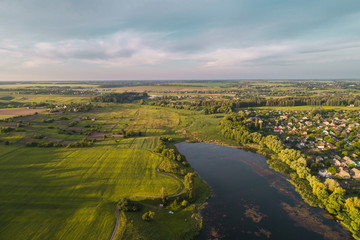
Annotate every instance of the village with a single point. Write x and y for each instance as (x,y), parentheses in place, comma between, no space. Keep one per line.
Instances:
(329,139)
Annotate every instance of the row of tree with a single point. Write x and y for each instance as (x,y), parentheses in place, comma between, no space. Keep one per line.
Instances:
(125,97)
(211,106)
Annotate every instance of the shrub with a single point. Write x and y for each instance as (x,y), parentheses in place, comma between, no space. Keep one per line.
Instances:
(148,216)
(128,206)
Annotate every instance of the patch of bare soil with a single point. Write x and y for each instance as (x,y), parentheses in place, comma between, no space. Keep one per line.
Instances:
(29,118)
(30,128)
(77,129)
(117,136)
(20,111)
(53,139)
(25,140)
(100,135)
(97,135)
(67,142)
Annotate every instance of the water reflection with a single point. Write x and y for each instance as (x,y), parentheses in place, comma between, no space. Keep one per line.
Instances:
(252,201)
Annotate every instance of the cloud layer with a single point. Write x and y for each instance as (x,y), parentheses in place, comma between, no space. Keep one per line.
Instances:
(153,39)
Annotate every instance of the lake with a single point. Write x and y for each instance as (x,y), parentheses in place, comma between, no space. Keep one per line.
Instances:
(251,201)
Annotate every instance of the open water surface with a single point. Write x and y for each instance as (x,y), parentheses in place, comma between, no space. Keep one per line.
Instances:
(251,201)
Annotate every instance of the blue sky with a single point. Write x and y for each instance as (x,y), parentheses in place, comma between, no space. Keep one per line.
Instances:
(168,39)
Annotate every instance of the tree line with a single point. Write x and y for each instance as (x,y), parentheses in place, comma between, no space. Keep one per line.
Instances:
(125,97)
(212,106)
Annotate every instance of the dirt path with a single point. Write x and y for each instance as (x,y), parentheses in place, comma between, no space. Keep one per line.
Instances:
(148,196)
(117,223)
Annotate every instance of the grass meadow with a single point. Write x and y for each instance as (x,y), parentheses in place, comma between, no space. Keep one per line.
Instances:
(71,193)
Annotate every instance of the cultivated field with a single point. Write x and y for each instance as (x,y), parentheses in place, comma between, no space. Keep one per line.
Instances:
(71,193)
(20,111)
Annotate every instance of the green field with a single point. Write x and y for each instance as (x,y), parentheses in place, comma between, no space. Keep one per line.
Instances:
(6,116)
(71,193)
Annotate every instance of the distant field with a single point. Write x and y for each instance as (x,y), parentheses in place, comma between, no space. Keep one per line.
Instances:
(18,100)
(43,85)
(175,88)
(20,111)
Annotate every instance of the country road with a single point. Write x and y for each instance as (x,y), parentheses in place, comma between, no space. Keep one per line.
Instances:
(117,223)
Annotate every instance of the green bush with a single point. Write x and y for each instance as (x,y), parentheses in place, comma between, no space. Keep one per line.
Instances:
(148,216)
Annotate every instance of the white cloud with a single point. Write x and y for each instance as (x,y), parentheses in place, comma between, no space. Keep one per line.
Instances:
(142,50)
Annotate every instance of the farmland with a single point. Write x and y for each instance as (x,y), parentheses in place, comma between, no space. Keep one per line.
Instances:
(17,112)
(71,193)
(66,160)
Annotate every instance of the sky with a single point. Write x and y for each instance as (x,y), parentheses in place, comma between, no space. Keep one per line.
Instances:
(173,39)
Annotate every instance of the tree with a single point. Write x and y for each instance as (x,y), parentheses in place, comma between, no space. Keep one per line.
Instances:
(352,206)
(163,194)
(289,155)
(273,143)
(184,203)
(332,170)
(148,216)
(189,183)
(331,184)
(335,201)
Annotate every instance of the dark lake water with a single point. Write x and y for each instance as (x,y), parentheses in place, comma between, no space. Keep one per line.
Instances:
(251,201)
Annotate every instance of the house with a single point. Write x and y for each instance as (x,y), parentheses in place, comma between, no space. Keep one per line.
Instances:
(348,161)
(308,123)
(355,173)
(277,129)
(336,163)
(331,146)
(321,146)
(300,145)
(319,159)
(324,173)
(289,139)
(343,174)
